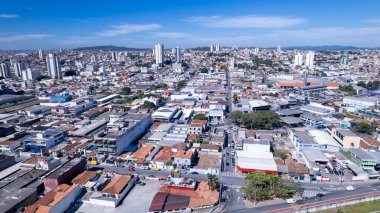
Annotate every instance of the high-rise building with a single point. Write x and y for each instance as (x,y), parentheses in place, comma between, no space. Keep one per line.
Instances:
(93,58)
(257,51)
(40,54)
(29,74)
(177,55)
(211,48)
(120,56)
(5,70)
(159,53)
(54,66)
(113,56)
(298,59)
(18,68)
(217,48)
(309,59)
(278,49)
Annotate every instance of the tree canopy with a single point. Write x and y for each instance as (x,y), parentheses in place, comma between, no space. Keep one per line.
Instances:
(256,120)
(363,127)
(199,117)
(260,186)
(126,91)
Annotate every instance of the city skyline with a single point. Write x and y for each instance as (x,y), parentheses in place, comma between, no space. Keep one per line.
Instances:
(46,25)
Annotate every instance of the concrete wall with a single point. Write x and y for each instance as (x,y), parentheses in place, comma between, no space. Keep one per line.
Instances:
(337,205)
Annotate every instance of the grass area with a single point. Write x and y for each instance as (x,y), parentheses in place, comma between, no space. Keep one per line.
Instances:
(364,207)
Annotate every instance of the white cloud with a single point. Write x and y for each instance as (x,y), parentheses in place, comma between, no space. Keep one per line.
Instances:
(129,28)
(249,21)
(173,35)
(373,21)
(23,37)
(8,16)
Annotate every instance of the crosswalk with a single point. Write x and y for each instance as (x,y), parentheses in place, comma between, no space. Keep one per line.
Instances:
(231,173)
(309,193)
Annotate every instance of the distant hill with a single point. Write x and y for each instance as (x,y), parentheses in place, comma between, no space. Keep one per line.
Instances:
(110,48)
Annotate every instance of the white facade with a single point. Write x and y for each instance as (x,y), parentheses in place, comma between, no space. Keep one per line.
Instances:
(211,48)
(217,47)
(29,74)
(361,102)
(18,68)
(309,59)
(40,54)
(53,65)
(159,53)
(298,59)
(5,70)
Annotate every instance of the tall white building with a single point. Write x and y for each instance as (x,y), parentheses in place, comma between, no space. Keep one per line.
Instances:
(18,68)
(177,55)
(113,56)
(298,59)
(5,70)
(211,48)
(257,51)
(159,53)
(93,58)
(120,56)
(53,65)
(309,59)
(278,49)
(217,48)
(40,54)
(29,74)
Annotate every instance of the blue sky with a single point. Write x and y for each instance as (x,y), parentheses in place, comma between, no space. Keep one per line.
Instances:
(34,24)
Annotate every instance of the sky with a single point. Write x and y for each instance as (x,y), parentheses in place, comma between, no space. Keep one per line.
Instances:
(37,24)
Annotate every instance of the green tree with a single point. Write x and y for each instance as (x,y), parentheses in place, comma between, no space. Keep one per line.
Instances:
(283,156)
(199,117)
(203,70)
(236,98)
(348,89)
(153,87)
(363,127)
(260,186)
(126,91)
(212,181)
(181,83)
(148,105)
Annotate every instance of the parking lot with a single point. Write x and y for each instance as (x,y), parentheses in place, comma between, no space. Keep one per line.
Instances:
(138,200)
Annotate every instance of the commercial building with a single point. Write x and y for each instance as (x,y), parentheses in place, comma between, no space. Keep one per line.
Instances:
(45,139)
(361,102)
(302,140)
(65,173)
(59,200)
(166,114)
(115,142)
(344,137)
(256,156)
(114,192)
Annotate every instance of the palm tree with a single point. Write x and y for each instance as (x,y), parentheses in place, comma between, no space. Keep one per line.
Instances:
(212,182)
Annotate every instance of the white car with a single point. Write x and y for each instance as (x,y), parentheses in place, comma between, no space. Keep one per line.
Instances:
(350,188)
(291,200)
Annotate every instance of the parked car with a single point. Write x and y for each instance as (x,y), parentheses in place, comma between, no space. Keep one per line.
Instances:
(350,188)
(291,200)
(194,173)
(131,169)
